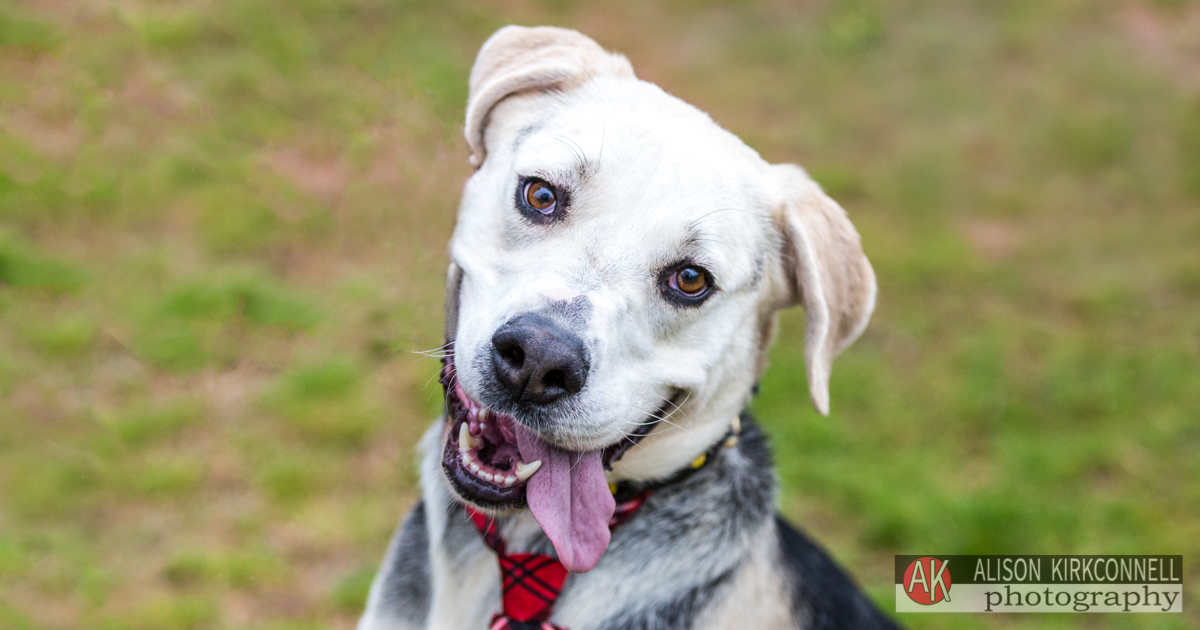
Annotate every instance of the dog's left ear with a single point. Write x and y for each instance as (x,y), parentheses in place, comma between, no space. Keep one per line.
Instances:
(521,59)
(825,271)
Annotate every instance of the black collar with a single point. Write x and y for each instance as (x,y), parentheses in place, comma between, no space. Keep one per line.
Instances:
(627,490)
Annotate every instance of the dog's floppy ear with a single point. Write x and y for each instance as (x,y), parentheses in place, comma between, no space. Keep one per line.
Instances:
(826,271)
(450,306)
(520,59)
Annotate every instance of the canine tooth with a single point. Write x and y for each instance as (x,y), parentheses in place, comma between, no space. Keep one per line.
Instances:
(525,471)
(474,467)
(465,441)
(510,480)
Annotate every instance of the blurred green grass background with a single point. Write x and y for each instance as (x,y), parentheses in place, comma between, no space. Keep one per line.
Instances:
(222,236)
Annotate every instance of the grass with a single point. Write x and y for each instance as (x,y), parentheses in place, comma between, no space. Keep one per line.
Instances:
(222,230)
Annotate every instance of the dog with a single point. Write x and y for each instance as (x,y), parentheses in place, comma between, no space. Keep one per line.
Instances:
(615,272)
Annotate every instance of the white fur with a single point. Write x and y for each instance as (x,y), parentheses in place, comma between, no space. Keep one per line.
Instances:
(552,104)
(657,166)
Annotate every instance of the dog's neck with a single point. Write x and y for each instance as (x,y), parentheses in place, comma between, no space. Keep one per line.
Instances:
(689,520)
(681,437)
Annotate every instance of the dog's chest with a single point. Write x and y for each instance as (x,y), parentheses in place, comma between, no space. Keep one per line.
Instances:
(467,577)
(467,573)
(635,576)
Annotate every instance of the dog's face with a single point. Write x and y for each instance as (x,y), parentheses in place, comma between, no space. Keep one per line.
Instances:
(616,268)
(636,235)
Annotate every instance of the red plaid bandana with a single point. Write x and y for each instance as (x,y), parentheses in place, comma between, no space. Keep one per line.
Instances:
(530,583)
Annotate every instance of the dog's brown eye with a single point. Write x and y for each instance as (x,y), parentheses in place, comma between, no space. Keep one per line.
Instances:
(691,281)
(540,196)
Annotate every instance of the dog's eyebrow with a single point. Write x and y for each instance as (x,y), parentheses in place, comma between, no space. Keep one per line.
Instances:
(693,238)
(525,133)
(694,244)
(697,238)
(692,225)
(584,166)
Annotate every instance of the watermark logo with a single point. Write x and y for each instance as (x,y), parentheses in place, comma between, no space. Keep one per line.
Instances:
(988,584)
(927,581)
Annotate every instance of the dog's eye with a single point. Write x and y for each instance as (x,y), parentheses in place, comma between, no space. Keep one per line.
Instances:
(540,196)
(691,281)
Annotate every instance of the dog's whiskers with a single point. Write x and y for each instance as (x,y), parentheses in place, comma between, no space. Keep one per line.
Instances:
(603,133)
(449,386)
(444,351)
(438,357)
(667,417)
(436,350)
(633,439)
(677,426)
(677,407)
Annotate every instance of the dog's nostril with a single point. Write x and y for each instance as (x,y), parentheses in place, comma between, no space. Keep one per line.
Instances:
(555,379)
(514,356)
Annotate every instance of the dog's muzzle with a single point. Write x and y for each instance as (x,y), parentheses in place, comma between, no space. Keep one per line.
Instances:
(481,458)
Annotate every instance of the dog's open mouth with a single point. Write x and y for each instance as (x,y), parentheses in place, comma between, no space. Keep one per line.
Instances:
(495,462)
(481,457)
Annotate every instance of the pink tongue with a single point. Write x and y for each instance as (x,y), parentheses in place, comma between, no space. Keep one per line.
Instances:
(569,498)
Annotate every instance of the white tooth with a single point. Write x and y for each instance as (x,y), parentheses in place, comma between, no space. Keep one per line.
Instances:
(510,480)
(483,414)
(486,476)
(474,467)
(482,427)
(525,471)
(466,458)
(465,441)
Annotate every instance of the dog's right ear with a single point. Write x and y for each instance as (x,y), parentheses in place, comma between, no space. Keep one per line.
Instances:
(520,59)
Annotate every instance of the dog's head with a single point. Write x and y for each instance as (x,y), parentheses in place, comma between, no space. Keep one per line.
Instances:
(616,267)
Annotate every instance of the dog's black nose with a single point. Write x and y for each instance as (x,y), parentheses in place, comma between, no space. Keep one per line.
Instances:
(537,361)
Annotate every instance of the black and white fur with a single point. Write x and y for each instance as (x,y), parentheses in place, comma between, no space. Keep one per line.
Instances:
(652,181)
(707,552)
